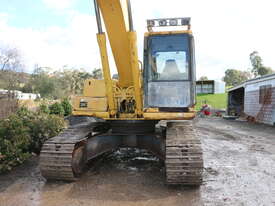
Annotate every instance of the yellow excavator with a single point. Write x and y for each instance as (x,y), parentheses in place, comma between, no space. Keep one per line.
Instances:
(148,105)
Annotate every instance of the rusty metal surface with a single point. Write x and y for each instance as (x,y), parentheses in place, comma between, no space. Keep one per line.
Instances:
(184,161)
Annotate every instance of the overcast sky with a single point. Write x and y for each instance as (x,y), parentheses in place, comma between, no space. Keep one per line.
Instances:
(55,33)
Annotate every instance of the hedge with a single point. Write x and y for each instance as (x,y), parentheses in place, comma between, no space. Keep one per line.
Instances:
(24,133)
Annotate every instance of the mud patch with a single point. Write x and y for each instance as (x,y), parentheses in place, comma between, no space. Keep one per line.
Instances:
(239,170)
(211,171)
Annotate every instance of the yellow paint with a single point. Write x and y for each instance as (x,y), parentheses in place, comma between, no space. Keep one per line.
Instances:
(94,88)
(101,38)
(168,116)
(113,12)
(127,116)
(152,110)
(136,72)
(95,104)
(103,115)
(167,32)
(160,116)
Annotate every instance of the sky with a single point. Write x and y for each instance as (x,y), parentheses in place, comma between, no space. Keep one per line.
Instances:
(57,33)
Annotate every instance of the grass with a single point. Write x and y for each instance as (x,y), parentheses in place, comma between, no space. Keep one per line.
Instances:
(216,101)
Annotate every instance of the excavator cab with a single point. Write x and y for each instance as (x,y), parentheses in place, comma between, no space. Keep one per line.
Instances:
(169,68)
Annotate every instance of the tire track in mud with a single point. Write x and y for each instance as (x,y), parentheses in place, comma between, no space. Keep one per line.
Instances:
(238,165)
(218,132)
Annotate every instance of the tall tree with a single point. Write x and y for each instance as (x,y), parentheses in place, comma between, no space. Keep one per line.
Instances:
(59,84)
(11,68)
(234,77)
(97,74)
(258,69)
(42,83)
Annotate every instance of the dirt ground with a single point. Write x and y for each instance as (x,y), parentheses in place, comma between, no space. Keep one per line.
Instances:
(239,170)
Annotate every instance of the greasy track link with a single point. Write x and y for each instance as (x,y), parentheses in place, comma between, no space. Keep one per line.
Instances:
(57,153)
(184,162)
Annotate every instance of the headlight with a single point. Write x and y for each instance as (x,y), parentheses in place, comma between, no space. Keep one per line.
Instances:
(150,23)
(168,22)
(162,22)
(185,21)
(173,22)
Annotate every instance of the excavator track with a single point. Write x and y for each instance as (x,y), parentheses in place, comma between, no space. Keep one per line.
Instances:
(63,157)
(184,161)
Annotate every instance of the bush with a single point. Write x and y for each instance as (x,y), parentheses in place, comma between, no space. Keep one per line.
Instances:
(24,133)
(41,126)
(63,109)
(67,107)
(57,109)
(14,142)
(43,108)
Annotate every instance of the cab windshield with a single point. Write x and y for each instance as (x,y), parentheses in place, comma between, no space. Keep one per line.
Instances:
(168,58)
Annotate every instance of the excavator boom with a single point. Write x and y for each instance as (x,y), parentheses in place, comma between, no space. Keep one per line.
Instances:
(117,16)
(116,19)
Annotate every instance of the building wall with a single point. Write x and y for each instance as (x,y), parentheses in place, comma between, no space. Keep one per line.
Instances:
(264,113)
(210,87)
(27,96)
(206,88)
(219,87)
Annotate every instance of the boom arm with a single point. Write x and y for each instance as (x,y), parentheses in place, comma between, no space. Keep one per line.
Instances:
(118,22)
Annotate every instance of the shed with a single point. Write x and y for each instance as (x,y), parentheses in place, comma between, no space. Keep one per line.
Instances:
(210,87)
(254,99)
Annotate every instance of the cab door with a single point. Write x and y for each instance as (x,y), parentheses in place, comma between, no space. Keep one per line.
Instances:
(169,71)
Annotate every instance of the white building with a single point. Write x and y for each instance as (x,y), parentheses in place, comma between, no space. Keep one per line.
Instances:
(20,95)
(210,87)
(27,96)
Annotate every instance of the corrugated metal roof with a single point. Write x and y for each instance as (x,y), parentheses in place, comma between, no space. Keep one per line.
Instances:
(251,81)
(263,78)
(236,87)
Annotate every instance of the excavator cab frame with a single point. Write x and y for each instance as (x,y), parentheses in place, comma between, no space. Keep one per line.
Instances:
(169,67)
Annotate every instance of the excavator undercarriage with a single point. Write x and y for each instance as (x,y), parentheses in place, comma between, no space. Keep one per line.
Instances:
(64,157)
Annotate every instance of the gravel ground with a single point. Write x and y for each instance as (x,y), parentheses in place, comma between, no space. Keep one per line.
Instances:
(239,170)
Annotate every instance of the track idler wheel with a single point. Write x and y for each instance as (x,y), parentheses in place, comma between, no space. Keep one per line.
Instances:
(79,160)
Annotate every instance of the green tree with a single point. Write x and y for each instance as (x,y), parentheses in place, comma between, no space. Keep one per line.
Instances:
(67,107)
(203,78)
(234,77)
(59,84)
(44,109)
(97,74)
(258,69)
(70,81)
(57,109)
(11,68)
